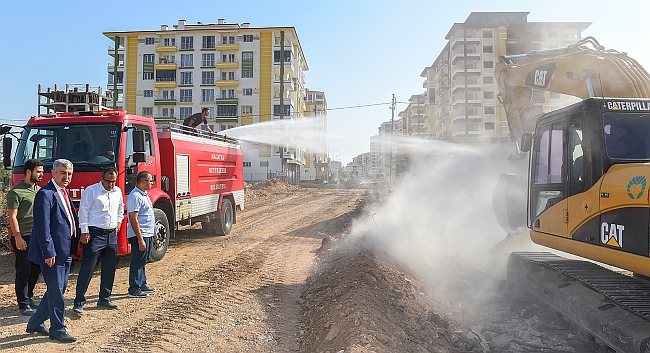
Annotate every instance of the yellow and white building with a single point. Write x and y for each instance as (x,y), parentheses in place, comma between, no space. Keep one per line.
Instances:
(232,69)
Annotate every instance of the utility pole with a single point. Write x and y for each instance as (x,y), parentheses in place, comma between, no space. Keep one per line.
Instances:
(116,63)
(282,92)
(392,132)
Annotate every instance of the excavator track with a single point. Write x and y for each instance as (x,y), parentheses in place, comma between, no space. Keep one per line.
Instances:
(612,308)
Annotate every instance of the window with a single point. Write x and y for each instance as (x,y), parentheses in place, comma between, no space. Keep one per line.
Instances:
(227,40)
(168,112)
(147,111)
(185,112)
(247,73)
(186,95)
(511,49)
(488,79)
(224,94)
(149,40)
(264,163)
(548,159)
(187,43)
(148,93)
(167,59)
(168,94)
(227,110)
(487,34)
(287,56)
(538,96)
(247,55)
(207,95)
(209,42)
(231,40)
(488,95)
(208,60)
(487,49)
(231,75)
(187,60)
(488,64)
(148,58)
(169,42)
(165,75)
(247,164)
(231,58)
(207,78)
(511,33)
(276,110)
(488,110)
(147,76)
(247,91)
(231,93)
(248,37)
(489,126)
(247,109)
(186,78)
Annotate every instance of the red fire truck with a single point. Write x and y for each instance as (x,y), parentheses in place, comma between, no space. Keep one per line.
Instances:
(197,176)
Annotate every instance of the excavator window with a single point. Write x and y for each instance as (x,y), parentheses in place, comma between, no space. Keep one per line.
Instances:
(627,135)
(576,155)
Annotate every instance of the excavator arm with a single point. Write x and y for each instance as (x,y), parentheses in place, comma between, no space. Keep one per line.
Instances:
(585,69)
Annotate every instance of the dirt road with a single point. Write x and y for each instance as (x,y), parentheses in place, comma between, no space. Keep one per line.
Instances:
(220,294)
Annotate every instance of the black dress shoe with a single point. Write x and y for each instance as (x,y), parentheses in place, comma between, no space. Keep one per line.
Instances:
(107,305)
(64,338)
(40,330)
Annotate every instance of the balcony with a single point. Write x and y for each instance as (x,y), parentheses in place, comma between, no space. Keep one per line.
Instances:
(468,56)
(227,100)
(288,84)
(469,101)
(165,82)
(111,51)
(111,67)
(470,71)
(164,101)
(234,82)
(165,64)
(288,65)
(468,133)
(468,87)
(471,118)
(457,41)
(163,118)
(166,48)
(224,47)
(228,64)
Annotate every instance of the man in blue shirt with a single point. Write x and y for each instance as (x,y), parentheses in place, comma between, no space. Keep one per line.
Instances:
(141,229)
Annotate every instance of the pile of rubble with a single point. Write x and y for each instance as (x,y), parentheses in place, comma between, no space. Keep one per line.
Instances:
(262,190)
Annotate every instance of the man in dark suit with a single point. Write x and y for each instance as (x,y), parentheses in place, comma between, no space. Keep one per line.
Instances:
(54,240)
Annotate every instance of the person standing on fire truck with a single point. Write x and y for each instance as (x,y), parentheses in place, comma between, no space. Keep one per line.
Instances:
(101,211)
(20,203)
(195,119)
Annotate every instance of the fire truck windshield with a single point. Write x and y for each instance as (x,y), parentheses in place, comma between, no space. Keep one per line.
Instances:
(87,146)
(627,135)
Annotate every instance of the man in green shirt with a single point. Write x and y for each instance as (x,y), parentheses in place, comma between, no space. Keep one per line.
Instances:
(20,204)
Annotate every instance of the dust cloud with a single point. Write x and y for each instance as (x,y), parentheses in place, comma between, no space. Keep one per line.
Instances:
(439,215)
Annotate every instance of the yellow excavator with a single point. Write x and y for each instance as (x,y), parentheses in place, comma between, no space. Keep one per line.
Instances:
(587,168)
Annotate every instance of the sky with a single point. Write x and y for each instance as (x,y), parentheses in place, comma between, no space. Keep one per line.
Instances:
(358,52)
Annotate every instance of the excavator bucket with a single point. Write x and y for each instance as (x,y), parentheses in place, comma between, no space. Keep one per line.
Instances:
(509,202)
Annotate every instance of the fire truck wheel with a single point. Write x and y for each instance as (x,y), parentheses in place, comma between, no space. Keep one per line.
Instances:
(223,224)
(160,241)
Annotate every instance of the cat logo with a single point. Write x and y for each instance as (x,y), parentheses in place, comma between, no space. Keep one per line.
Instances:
(541,76)
(612,234)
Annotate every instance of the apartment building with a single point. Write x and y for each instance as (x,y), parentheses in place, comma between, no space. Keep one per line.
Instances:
(461,87)
(243,74)
(415,119)
(316,167)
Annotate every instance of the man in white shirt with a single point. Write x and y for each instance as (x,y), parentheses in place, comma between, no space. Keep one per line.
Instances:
(100,216)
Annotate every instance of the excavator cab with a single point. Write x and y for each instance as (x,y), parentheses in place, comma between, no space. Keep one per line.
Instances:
(587,187)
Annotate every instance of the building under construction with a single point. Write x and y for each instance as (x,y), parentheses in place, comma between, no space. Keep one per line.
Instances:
(74,98)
